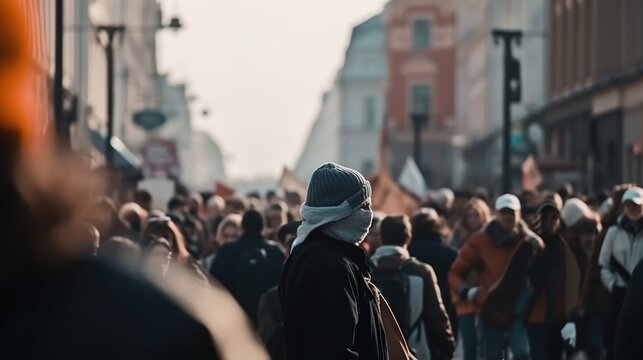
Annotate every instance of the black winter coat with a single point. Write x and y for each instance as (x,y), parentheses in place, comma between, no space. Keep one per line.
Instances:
(226,265)
(628,342)
(329,310)
(433,251)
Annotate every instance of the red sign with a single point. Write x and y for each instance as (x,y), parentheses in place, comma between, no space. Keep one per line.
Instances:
(160,158)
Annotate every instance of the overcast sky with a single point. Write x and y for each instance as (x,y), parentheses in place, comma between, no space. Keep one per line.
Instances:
(261,67)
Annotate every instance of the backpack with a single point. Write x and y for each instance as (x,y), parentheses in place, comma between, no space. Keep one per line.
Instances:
(251,279)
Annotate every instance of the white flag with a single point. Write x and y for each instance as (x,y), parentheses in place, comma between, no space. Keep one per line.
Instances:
(411,178)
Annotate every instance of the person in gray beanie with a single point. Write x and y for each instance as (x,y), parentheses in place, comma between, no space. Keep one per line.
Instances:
(329,308)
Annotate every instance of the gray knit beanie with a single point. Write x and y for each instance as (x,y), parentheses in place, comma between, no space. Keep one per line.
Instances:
(333,184)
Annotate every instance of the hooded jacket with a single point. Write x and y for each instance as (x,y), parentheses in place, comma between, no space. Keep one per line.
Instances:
(436,321)
(328,308)
(623,244)
(488,252)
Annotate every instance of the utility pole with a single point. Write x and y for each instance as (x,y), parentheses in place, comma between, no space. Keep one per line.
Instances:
(60,121)
(512,94)
(111,31)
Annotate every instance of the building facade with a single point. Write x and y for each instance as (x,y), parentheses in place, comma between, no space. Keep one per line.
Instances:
(479,69)
(362,82)
(593,121)
(421,81)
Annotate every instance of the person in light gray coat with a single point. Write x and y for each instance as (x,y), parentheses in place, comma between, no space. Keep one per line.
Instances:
(621,252)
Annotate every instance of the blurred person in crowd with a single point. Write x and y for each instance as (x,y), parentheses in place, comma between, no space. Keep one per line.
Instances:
(580,227)
(60,303)
(621,251)
(271,197)
(104,216)
(373,239)
(553,198)
(197,213)
(595,299)
(164,227)
(215,207)
(120,251)
(269,315)
(443,200)
(177,208)
(249,266)
(144,199)
(192,235)
(329,307)
(500,255)
(134,217)
(555,279)
(276,217)
(429,245)
(156,255)
(566,191)
(235,205)
(229,231)
(627,343)
(411,288)
(475,216)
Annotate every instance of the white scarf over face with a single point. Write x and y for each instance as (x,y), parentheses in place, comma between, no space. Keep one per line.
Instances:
(339,222)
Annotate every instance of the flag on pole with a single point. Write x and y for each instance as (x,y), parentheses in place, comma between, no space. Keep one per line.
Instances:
(411,178)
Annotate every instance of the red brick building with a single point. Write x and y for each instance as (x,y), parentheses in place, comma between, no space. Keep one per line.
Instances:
(421,80)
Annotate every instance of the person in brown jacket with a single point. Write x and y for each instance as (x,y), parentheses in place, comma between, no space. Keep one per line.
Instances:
(423,300)
(475,216)
(500,254)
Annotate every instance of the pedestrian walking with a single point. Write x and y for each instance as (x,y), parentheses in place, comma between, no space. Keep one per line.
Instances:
(555,279)
(621,252)
(429,245)
(249,266)
(500,254)
(475,216)
(411,289)
(330,310)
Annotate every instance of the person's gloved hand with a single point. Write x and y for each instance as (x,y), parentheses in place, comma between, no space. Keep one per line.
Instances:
(568,333)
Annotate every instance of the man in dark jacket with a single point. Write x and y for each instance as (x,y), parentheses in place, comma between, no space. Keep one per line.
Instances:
(329,309)
(249,266)
(428,246)
(393,257)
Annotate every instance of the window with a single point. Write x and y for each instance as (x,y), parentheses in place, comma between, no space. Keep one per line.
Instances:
(369,113)
(421,34)
(420,99)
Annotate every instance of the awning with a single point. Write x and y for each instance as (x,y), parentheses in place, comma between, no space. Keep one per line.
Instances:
(123,157)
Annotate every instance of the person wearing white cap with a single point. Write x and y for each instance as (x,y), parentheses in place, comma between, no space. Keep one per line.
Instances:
(621,251)
(500,254)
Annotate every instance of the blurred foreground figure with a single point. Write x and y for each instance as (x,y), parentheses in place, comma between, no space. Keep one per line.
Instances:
(59,302)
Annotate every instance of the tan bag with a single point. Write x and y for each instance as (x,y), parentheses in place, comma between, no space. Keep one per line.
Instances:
(398,349)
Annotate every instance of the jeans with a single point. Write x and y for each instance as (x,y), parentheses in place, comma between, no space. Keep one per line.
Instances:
(545,341)
(469,336)
(514,336)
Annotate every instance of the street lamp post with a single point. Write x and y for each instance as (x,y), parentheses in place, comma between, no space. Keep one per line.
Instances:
(110,31)
(419,120)
(511,88)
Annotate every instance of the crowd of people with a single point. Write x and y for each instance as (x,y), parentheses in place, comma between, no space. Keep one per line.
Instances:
(548,275)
